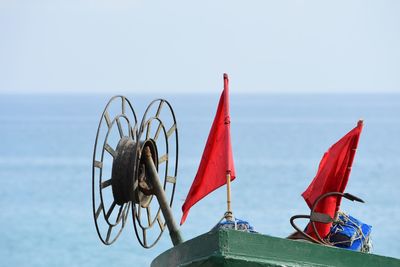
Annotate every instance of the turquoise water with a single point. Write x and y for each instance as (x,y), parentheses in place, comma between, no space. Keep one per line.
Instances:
(278,140)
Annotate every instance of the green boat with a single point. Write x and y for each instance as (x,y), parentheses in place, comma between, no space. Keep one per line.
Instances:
(233,248)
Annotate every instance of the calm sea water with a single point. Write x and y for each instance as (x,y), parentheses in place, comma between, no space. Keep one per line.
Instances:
(278,140)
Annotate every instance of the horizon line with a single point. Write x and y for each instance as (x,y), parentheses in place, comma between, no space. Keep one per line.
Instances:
(116,92)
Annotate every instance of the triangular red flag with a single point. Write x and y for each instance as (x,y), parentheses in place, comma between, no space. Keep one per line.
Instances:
(332,176)
(217,159)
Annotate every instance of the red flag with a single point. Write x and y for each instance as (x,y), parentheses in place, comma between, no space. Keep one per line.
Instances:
(332,176)
(217,159)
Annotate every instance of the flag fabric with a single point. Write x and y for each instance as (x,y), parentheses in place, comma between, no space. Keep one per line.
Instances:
(217,159)
(332,176)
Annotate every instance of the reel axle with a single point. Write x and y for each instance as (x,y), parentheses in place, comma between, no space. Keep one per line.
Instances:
(152,174)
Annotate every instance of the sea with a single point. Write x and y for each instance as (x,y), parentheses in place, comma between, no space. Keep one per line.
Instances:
(46,153)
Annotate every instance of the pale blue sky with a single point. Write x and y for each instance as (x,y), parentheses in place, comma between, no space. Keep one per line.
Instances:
(118,46)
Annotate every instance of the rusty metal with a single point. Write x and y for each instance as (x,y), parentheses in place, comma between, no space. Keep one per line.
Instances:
(158,124)
(318,217)
(131,183)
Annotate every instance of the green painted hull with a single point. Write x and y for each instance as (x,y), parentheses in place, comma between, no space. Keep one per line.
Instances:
(234,248)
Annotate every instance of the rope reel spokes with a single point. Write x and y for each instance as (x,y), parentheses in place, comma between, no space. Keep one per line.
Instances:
(132,166)
(159,136)
(117,128)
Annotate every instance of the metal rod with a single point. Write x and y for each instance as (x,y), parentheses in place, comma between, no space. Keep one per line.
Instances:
(152,174)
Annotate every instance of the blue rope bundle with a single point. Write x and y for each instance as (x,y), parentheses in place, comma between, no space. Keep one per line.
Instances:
(237,224)
(350,233)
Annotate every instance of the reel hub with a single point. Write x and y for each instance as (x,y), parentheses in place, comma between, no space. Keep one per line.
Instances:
(123,171)
(144,189)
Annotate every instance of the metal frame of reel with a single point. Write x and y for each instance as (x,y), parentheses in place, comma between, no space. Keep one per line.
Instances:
(145,128)
(98,165)
(319,217)
(134,177)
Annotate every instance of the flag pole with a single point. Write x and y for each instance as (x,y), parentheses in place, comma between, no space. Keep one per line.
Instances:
(228,214)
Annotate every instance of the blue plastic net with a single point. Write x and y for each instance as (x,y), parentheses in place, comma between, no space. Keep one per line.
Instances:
(350,233)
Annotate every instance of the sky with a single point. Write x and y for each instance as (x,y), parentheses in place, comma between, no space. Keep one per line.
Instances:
(119,46)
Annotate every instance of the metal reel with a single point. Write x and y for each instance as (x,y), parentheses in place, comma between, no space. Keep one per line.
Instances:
(158,131)
(113,168)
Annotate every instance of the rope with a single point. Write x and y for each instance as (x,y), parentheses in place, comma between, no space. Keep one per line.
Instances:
(346,221)
(235,224)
